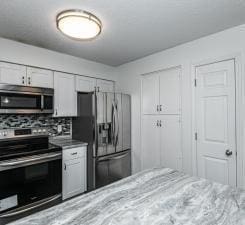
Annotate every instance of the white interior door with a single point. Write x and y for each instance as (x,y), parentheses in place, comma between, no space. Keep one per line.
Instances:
(215,121)
(150,142)
(150,94)
(169,91)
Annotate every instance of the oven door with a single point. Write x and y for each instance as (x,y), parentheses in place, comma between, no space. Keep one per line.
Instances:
(29,182)
(20,102)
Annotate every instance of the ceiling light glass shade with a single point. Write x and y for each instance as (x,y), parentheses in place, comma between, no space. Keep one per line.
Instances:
(80,25)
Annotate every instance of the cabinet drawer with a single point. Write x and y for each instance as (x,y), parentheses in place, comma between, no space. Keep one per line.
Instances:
(74,153)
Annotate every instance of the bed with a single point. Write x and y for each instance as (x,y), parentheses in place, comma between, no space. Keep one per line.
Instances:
(158,196)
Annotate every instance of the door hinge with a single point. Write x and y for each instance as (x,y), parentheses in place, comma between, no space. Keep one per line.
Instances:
(195,82)
(196,136)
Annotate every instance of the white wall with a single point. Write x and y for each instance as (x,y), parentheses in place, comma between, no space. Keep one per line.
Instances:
(228,42)
(17,52)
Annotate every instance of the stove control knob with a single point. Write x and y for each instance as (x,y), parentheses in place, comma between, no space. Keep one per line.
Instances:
(5,133)
(39,131)
(34,131)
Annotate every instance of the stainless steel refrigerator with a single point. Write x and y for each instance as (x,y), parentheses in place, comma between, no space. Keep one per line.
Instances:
(104,122)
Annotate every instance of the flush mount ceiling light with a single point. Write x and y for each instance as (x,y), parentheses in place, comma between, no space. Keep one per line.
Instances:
(78,24)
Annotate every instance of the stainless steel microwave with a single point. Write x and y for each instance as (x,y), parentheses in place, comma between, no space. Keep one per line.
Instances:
(23,99)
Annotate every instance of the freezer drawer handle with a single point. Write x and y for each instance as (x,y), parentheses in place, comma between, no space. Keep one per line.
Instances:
(113,158)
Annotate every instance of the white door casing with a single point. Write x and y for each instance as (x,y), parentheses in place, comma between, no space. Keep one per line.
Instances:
(215,121)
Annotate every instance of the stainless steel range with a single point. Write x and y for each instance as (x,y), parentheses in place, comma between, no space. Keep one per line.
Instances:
(30,172)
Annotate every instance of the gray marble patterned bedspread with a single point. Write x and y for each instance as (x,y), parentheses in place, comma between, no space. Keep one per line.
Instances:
(159,196)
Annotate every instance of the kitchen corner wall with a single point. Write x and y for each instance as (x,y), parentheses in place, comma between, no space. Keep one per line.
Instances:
(213,47)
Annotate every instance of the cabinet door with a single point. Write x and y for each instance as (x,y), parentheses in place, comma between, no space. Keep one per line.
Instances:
(150,143)
(85,84)
(170,91)
(12,74)
(150,94)
(40,77)
(65,99)
(170,142)
(74,173)
(105,85)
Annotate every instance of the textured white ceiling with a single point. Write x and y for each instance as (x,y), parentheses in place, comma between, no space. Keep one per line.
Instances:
(131,28)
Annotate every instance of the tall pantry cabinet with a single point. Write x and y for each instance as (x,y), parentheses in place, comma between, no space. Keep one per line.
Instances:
(161,119)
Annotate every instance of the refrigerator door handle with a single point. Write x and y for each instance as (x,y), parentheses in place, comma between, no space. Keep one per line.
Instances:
(113,124)
(116,124)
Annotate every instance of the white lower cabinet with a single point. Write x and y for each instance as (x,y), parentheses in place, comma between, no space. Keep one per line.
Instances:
(74,175)
(161,141)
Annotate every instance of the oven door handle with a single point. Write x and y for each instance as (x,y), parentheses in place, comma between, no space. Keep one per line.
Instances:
(33,206)
(40,158)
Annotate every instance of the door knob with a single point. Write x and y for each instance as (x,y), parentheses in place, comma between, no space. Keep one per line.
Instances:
(228,152)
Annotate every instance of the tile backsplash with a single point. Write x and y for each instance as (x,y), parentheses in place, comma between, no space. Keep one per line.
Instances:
(56,126)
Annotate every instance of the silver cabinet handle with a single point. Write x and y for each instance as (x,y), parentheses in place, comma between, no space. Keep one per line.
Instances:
(23,80)
(160,123)
(160,108)
(29,80)
(157,108)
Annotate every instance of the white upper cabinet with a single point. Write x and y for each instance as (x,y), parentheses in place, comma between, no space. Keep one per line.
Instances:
(161,92)
(65,98)
(105,85)
(150,94)
(85,84)
(12,74)
(40,77)
(169,81)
